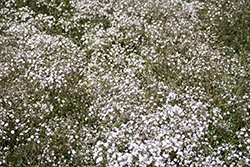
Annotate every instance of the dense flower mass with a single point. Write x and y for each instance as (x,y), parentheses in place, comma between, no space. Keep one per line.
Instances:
(124,83)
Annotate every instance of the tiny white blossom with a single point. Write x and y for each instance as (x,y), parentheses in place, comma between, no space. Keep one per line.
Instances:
(99,159)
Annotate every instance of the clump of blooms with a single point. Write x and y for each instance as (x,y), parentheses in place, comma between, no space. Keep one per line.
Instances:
(124,83)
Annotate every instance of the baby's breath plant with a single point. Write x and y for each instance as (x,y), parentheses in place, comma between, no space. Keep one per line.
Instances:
(124,83)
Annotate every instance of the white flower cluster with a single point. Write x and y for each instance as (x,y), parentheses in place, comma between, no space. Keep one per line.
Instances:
(168,136)
(122,83)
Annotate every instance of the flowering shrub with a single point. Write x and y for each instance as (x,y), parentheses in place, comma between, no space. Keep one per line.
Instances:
(124,83)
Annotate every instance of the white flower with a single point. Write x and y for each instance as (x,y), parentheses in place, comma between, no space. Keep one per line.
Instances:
(99,159)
